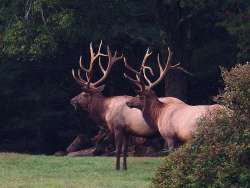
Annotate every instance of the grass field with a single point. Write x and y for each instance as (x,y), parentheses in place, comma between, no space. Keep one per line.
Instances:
(36,171)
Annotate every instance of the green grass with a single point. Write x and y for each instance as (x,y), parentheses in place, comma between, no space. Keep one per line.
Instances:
(35,171)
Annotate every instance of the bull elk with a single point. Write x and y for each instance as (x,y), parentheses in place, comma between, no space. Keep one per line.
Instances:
(176,122)
(112,112)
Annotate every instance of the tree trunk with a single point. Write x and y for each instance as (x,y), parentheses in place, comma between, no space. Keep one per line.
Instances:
(176,34)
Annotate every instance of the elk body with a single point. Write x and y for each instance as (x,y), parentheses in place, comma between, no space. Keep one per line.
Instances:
(112,112)
(176,122)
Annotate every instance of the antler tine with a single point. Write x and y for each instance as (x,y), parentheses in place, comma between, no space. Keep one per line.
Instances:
(148,53)
(129,67)
(151,71)
(111,62)
(81,65)
(93,56)
(100,65)
(164,72)
(78,79)
(144,67)
(113,59)
(144,74)
(88,71)
(140,75)
(136,81)
(159,63)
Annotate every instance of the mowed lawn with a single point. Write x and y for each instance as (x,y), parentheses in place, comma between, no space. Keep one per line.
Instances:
(36,171)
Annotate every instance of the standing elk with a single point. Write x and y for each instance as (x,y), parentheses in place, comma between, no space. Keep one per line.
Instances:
(112,112)
(176,122)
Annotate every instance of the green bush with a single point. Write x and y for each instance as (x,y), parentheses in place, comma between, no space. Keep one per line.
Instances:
(237,90)
(219,155)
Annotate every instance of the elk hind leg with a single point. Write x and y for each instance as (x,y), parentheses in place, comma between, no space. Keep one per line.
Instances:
(125,151)
(118,146)
(171,144)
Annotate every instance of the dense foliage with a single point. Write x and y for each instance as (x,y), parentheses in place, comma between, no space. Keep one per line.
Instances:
(236,94)
(41,41)
(219,154)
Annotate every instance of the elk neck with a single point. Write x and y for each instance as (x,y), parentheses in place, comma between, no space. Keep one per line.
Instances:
(97,108)
(151,111)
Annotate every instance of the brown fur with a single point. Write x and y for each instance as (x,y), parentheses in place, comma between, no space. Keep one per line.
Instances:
(118,117)
(97,108)
(176,121)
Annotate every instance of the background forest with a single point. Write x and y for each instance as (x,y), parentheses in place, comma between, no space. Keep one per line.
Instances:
(41,41)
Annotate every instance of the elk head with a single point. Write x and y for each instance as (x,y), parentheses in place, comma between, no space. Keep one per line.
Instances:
(142,82)
(92,89)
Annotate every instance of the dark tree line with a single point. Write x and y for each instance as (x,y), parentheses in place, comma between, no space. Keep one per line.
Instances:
(41,41)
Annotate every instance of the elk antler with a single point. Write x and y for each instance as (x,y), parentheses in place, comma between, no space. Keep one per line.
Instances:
(163,72)
(89,72)
(111,61)
(141,76)
(138,81)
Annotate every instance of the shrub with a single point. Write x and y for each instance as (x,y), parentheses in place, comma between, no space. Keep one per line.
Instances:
(237,91)
(219,155)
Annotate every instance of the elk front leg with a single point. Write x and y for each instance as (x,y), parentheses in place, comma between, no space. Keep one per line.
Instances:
(118,146)
(125,151)
(170,142)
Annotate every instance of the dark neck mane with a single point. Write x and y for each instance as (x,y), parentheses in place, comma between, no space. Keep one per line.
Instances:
(97,108)
(151,111)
